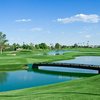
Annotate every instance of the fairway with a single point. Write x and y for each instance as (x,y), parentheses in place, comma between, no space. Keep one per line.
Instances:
(49,49)
(80,89)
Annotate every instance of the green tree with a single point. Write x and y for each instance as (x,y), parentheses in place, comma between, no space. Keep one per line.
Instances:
(75,45)
(43,46)
(31,46)
(3,41)
(26,46)
(57,46)
(37,46)
(14,46)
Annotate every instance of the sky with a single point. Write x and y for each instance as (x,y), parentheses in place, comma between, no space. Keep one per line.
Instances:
(51,21)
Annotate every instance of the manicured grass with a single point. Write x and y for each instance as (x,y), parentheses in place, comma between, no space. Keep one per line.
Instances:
(80,89)
(11,67)
(85,49)
(26,56)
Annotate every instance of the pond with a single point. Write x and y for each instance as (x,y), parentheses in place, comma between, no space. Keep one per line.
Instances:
(12,80)
(59,52)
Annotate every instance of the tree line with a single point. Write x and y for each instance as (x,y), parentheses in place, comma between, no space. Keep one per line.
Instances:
(31,46)
(4,45)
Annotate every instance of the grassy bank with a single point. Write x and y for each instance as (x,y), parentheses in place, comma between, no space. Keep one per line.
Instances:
(80,89)
(18,59)
(8,67)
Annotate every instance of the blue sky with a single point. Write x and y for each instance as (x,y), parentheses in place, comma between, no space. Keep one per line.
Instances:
(51,21)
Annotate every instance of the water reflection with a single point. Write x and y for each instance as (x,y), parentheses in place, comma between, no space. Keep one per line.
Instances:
(59,73)
(58,52)
(3,77)
(94,60)
(20,79)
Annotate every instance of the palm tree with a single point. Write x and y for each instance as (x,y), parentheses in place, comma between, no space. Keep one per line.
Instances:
(2,41)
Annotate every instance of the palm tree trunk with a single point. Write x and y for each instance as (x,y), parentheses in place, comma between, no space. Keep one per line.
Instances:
(1,50)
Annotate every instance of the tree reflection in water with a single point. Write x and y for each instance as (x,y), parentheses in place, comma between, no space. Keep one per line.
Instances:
(3,77)
(59,73)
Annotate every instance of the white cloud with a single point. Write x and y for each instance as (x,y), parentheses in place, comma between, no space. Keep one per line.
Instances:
(92,18)
(88,36)
(23,20)
(36,29)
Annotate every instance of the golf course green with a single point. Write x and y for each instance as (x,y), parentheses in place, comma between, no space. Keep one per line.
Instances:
(79,89)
